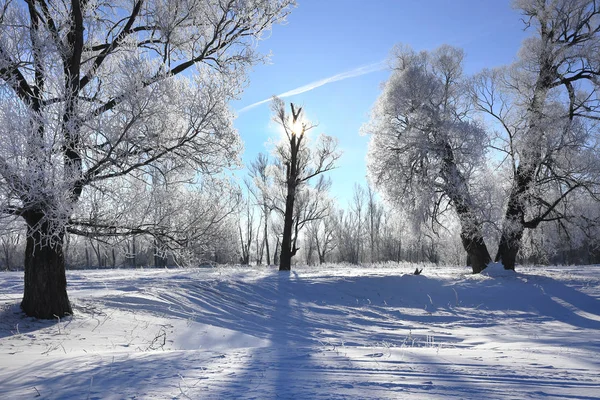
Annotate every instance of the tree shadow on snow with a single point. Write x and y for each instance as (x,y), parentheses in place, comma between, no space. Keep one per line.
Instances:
(289,367)
(535,297)
(117,375)
(307,319)
(473,377)
(13,321)
(361,310)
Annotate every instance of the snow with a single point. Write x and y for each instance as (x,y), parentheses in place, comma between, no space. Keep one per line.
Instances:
(496,269)
(332,332)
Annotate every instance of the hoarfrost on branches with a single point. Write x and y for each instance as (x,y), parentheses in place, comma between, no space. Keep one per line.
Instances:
(425,148)
(93,91)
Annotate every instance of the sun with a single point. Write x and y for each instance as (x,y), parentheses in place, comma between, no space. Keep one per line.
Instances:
(298,126)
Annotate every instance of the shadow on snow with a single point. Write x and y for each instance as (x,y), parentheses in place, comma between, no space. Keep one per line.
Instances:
(298,314)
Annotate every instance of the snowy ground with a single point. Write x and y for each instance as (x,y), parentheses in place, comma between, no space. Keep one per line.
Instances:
(335,333)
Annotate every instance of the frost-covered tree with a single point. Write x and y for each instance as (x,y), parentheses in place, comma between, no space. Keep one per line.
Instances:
(567,241)
(375,214)
(347,235)
(260,186)
(425,149)
(322,233)
(312,205)
(93,91)
(298,163)
(148,222)
(546,107)
(11,243)
(246,230)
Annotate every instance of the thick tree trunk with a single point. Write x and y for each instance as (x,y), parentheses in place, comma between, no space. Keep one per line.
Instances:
(472,239)
(45,294)
(457,190)
(508,250)
(514,219)
(512,227)
(321,258)
(477,252)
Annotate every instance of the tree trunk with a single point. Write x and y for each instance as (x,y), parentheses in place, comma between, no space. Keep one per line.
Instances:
(399,250)
(267,238)
(514,219)
(6,256)
(470,234)
(320,250)
(508,249)
(472,239)
(97,252)
(276,253)
(133,253)
(478,255)
(288,250)
(512,232)
(45,294)
(530,159)
(285,259)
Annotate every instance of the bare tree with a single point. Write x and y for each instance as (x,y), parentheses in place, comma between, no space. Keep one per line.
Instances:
(93,91)
(375,213)
(312,204)
(357,209)
(322,232)
(393,237)
(298,164)
(260,188)
(11,238)
(348,235)
(247,233)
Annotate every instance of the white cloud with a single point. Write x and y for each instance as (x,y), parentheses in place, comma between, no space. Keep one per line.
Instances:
(353,73)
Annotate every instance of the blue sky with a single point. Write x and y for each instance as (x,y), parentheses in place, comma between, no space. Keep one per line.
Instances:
(350,40)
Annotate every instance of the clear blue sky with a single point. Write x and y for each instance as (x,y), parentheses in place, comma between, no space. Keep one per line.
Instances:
(325,38)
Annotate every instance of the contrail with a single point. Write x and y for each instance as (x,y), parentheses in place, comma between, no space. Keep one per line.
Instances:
(353,73)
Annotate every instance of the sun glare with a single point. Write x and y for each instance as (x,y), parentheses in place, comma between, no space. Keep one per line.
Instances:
(298,126)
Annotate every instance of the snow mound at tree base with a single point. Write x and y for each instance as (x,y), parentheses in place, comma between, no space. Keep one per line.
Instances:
(496,269)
